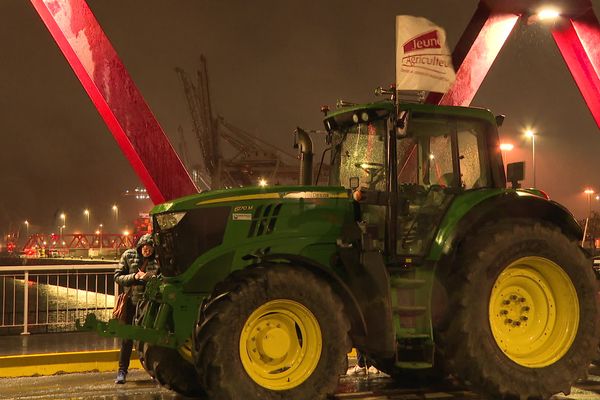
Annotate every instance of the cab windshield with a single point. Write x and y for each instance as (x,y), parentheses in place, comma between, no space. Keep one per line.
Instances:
(443,151)
(358,156)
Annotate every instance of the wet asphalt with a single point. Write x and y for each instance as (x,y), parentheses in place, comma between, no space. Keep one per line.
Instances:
(140,386)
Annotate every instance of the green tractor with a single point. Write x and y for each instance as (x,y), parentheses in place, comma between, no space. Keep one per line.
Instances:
(416,253)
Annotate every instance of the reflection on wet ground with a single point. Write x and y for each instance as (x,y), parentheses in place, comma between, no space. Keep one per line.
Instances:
(383,387)
(140,387)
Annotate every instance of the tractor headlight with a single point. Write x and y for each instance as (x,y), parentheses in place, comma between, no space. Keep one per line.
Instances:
(169,220)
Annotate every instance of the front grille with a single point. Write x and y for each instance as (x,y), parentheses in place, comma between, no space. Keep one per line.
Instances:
(264,219)
(198,231)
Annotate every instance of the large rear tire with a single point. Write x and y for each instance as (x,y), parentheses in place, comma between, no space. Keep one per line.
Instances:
(524,313)
(276,332)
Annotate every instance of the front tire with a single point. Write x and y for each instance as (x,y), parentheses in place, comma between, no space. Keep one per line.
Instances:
(174,372)
(277,332)
(167,365)
(524,313)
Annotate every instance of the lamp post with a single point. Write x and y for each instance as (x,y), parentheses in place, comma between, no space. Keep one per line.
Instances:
(116,211)
(504,147)
(63,217)
(99,233)
(26,228)
(589,192)
(86,212)
(531,134)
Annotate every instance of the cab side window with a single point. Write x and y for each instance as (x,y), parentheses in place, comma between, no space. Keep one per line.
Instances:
(470,143)
(439,161)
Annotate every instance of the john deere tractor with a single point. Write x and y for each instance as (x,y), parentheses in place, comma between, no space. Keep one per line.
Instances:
(416,253)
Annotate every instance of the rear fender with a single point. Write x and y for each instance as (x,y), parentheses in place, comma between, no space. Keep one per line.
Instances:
(510,204)
(514,205)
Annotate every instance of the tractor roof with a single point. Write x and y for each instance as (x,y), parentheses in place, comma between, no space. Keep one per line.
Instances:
(387,107)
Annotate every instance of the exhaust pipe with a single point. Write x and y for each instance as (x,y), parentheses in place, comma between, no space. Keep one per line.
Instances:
(303,142)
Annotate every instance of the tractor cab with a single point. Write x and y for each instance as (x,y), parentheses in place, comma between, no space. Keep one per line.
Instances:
(406,164)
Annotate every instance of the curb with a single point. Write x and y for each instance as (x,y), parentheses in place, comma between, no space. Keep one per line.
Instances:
(69,362)
(59,363)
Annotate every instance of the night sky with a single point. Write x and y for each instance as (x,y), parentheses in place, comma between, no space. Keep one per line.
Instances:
(272,64)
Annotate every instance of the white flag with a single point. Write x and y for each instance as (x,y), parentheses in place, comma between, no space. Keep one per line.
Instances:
(423,61)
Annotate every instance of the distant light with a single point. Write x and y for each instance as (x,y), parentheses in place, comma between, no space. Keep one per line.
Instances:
(125,233)
(431,156)
(262,182)
(506,146)
(548,14)
(97,232)
(529,133)
(589,191)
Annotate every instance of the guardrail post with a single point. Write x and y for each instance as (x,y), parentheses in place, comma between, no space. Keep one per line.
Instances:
(25,304)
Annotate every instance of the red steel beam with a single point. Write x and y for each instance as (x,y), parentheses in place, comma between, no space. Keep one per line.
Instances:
(475,53)
(578,41)
(115,95)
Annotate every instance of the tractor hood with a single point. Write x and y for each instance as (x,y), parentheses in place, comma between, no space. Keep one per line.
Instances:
(189,227)
(228,196)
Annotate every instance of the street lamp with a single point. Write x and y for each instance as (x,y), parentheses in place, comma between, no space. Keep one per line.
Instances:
(531,134)
(86,212)
(63,216)
(548,14)
(116,211)
(589,193)
(504,147)
(26,228)
(100,232)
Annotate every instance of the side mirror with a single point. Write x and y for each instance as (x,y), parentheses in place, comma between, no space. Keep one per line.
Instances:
(515,172)
(500,120)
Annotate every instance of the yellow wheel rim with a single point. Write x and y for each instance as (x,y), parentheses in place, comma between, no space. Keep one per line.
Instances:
(186,351)
(280,344)
(534,312)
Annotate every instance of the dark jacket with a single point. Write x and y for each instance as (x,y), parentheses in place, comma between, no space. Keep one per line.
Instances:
(131,262)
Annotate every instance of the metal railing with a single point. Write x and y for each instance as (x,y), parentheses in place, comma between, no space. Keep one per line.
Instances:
(51,298)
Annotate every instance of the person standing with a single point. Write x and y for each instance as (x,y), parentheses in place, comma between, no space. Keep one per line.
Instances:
(136,267)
